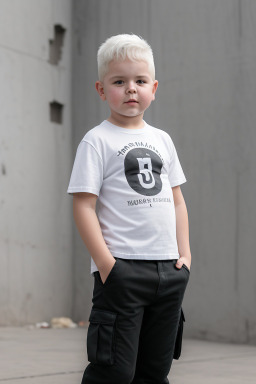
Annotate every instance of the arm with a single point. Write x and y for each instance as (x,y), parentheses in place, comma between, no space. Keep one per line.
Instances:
(89,228)
(182,228)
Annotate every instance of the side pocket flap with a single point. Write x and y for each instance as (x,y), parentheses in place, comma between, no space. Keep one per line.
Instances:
(102,317)
(182,315)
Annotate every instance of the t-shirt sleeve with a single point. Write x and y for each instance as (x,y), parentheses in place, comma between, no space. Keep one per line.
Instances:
(87,173)
(176,174)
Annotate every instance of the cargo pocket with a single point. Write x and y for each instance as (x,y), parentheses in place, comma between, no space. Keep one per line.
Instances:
(101,337)
(178,342)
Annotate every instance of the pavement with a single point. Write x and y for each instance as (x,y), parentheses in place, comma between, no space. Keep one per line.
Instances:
(58,356)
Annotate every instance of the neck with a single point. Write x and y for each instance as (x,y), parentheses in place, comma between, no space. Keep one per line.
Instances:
(135,122)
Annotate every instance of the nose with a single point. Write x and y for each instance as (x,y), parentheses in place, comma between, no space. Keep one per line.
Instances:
(131,88)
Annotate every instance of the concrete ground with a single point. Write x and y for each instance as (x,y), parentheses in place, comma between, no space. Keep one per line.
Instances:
(58,356)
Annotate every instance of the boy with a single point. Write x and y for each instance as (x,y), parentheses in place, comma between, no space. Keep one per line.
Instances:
(139,238)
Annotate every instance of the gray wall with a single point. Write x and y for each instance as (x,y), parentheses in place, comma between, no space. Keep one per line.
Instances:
(205,54)
(35,161)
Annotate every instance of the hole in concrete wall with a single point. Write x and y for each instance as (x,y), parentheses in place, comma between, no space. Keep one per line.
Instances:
(55,45)
(56,112)
(3,169)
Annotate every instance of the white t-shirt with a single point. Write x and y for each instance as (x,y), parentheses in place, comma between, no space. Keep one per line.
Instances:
(132,171)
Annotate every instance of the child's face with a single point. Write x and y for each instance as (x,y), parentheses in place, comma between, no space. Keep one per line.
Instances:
(128,88)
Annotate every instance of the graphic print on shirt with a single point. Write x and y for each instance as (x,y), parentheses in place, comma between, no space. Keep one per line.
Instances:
(143,170)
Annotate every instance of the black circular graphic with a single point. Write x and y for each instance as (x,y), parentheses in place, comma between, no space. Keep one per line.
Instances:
(142,170)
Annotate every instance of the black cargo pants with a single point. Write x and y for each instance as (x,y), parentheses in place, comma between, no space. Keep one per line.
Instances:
(133,322)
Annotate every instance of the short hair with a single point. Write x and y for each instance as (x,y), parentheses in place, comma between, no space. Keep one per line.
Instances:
(124,46)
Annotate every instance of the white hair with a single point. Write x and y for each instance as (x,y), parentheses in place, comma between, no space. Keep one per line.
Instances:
(124,46)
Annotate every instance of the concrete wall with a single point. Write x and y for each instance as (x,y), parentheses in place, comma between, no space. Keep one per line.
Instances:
(205,53)
(205,59)
(35,160)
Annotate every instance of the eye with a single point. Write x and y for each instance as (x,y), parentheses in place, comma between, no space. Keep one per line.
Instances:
(118,82)
(141,81)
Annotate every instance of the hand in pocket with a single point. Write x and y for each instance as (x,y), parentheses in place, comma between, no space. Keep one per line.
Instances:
(106,269)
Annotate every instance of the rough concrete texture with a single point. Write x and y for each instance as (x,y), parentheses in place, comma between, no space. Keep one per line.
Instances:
(58,356)
(205,54)
(35,160)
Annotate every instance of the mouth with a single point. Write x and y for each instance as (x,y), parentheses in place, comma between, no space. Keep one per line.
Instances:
(131,101)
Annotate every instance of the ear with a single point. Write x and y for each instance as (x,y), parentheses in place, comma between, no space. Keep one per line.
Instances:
(155,85)
(100,89)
